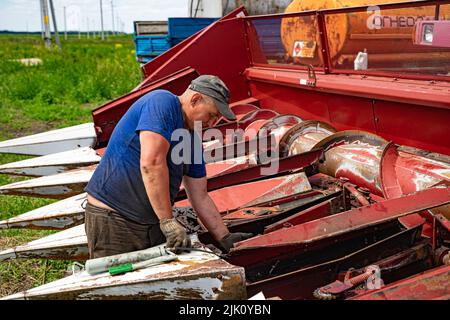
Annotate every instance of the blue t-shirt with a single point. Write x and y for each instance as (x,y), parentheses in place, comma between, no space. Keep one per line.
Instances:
(117,181)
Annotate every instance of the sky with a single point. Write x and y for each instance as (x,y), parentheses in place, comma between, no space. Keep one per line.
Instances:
(24,15)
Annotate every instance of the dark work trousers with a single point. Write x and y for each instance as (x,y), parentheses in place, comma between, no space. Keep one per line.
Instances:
(109,233)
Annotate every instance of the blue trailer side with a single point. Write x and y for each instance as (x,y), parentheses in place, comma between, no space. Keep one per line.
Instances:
(148,46)
(182,28)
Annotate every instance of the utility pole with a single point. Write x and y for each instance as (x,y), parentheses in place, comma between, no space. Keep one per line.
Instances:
(54,25)
(65,24)
(87,26)
(47,35)
(112,17)
(42,20)
(101,18)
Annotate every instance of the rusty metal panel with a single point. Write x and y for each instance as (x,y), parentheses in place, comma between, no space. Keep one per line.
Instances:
(70,244)
(256,193)
(318,211)
(326,229)
(58,186)
(296,162)
(60,215)
(53,163)
(195,275)
(358,162)
(301,282)
(430,285)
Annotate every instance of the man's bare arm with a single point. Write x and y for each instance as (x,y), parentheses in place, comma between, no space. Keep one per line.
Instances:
(205,207)
(155,174)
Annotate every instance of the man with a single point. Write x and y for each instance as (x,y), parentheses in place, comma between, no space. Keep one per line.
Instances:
(132,191)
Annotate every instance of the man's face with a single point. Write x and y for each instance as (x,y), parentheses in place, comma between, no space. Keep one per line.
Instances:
(202,109)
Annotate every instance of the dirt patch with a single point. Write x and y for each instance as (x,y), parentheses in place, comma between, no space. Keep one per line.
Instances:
(8,132)
(32,127)
(8,242)
(38,126)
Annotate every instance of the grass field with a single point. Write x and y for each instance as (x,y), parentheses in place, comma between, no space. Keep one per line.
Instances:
(60,92)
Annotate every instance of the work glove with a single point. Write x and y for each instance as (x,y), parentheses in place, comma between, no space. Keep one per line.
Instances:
(175,234)
(228,241)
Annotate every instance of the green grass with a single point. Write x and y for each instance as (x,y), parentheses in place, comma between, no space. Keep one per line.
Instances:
(60,92)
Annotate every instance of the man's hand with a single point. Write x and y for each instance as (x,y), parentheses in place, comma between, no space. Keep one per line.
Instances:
(175,233)
(228,241)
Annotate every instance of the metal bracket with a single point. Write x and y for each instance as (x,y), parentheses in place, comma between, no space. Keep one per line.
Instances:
(312,80)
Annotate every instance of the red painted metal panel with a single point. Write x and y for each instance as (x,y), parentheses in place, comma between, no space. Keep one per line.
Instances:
(300,283)
(436,94)
(419,126)
(221,51)
(286,240)
(348,113)
(152,66)
(344,106)
(318,211)
(286,100)
(246,120)
(254,172)
(256,193)
(251,213)
(239,111)
(338,110)
(295,162)
(106,116)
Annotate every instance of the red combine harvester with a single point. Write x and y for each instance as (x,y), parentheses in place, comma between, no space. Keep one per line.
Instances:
(352,108)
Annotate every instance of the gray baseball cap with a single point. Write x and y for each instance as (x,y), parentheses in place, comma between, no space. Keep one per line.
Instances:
(215,88)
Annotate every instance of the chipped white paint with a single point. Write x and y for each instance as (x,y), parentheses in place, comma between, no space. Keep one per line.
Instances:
(53,163)
(196,274)
(53,141)
(59,215)
(55,186)
(74,240)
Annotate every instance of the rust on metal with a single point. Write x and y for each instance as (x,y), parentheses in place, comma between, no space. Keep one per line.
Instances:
(70,244)
(63,214)
(195,275)
(256,193)
(431,285)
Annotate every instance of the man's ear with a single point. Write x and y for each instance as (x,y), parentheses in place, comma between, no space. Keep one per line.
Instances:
(196,97)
